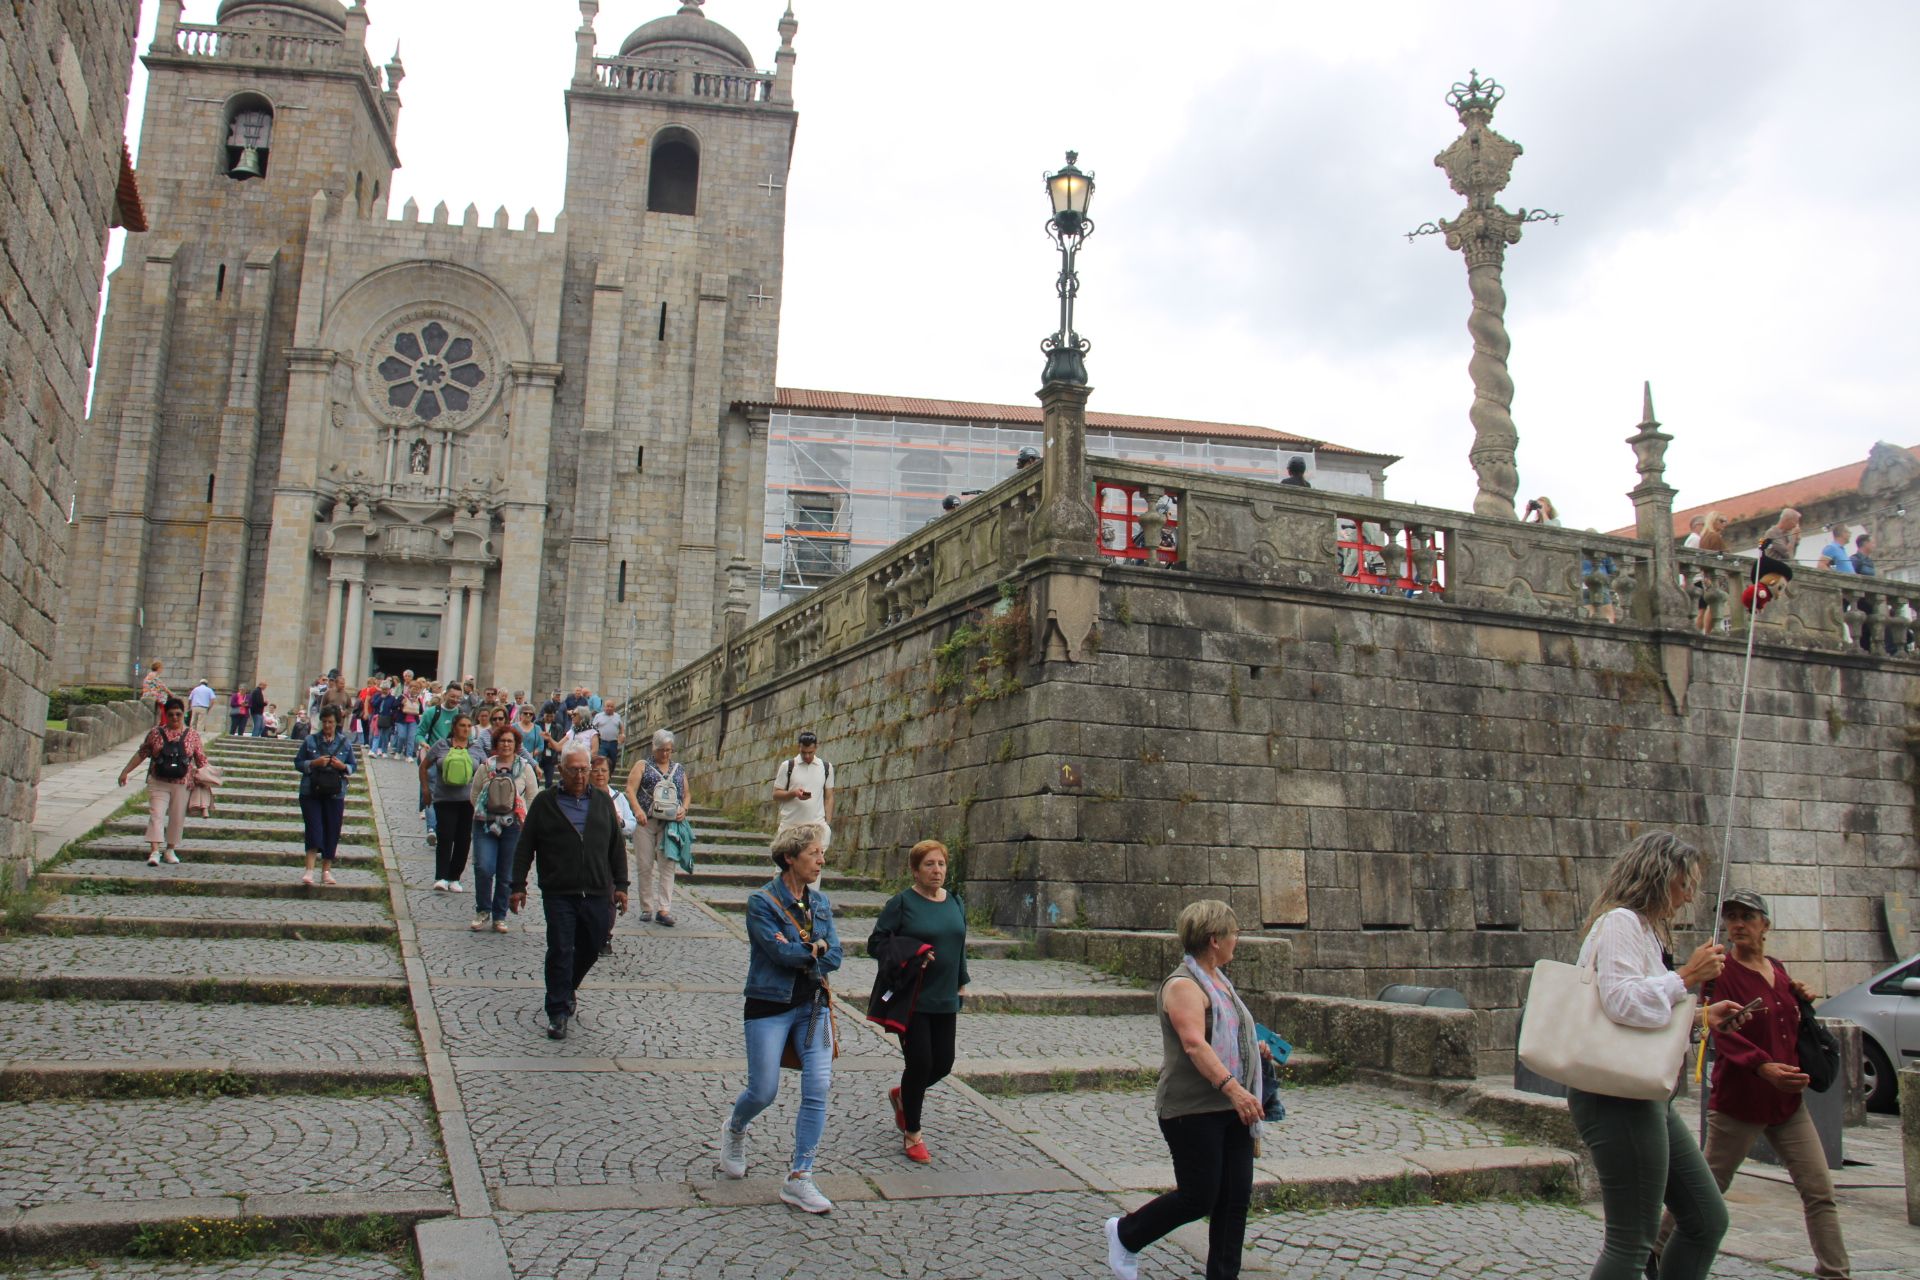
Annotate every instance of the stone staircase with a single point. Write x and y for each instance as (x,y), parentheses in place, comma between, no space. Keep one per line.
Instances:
(1067,1055)
(212,1051)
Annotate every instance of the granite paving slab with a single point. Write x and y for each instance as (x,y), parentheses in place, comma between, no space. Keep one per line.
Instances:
(1107,1128)
(551,1132)
(984,1037)
(853,902)
(291,829)
(284,1266)
(154,1030)
(275,808)
(272,852)
(1007,1238)
(63,1152)
(434,908)
(658,956)
(217,872)
(193,907)
(32,955)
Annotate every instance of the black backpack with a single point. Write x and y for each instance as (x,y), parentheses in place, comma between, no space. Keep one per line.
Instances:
(170,765)
(1818,1051)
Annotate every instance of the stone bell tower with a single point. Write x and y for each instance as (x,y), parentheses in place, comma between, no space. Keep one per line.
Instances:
(246,119)
(676,208)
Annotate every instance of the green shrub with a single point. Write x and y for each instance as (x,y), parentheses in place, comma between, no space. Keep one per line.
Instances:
(85,695)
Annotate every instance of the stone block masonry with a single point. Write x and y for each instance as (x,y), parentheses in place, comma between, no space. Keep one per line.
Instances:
(67,70)
(1407,789)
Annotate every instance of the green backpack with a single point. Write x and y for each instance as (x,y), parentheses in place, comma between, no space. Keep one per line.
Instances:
(456,770)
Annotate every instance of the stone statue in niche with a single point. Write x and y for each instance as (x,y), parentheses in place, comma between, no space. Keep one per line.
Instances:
(419,455)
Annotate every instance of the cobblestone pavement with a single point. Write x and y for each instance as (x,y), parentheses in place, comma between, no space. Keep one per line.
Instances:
(286,1266)
(147,1030)
(191,907)
(987,1036)
(1006,1238)
(856,975)
(217,872)
(101,1150)
(660,956)
(486,1022)
(547,1129)
(289,828)
(865,901)
(1437,1242)
(196,957)
(1117,1127)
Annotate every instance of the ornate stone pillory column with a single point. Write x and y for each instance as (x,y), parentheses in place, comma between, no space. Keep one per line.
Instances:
(1478,165)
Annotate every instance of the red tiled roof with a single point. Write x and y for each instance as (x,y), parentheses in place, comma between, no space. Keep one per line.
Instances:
(796,398)
(128,212)
(1768,501)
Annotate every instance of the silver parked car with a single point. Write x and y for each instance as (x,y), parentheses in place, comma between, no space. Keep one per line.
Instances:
(1886,1008)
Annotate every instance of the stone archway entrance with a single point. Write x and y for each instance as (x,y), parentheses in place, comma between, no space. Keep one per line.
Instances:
(405,642)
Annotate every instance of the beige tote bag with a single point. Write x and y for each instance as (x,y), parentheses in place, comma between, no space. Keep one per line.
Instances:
(1566,1036)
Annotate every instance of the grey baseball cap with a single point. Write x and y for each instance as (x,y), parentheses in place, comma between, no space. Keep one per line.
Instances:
(1746,898)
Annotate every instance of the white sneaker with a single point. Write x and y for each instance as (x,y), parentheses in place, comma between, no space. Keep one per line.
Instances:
(453,886)
(172,856)
(800,1192)
(733,1150)
(440,886)
(1124,1264)
(153,859)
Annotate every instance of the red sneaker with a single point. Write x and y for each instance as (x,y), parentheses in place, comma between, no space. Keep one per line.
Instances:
(917,1152)
(899,1116)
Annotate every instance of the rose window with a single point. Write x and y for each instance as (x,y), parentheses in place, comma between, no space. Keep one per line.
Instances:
(430,371)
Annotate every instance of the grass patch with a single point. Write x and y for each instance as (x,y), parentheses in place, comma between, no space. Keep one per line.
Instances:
(212,1239)
(56,726)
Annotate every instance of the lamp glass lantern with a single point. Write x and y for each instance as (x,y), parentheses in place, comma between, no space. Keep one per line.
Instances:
(1071,192)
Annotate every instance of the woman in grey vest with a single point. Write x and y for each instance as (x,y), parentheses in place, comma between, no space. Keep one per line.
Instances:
(1208,1101)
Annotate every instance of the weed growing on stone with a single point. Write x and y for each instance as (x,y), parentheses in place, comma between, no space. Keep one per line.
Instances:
(210,1239)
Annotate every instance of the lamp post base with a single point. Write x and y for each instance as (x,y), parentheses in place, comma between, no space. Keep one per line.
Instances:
(1065,364)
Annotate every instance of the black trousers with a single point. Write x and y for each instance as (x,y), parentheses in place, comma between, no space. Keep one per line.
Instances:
(928,1045)
(1212,1178)
(452,837)
(578,927)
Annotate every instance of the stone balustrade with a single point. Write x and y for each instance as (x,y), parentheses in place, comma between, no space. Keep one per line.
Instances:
(280,48)
(673,80)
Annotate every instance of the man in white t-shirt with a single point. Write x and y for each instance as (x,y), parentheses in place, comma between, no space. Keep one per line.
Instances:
(804,787)
(606,723)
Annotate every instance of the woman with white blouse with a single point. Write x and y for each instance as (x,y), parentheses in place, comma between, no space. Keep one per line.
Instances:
(1642,1153)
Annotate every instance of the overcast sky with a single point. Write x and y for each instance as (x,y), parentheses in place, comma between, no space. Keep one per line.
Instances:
(1739,182)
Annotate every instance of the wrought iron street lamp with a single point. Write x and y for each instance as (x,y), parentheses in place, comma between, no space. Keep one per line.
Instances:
(1071,192)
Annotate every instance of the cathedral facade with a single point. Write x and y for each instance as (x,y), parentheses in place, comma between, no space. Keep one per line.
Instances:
(324,435)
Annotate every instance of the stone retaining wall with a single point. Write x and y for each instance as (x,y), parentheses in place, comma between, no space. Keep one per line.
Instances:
(67,70)
(94,728)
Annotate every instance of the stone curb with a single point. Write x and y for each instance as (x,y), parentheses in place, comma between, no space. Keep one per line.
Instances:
(109,1226)
(223,852)
(461,1249)
(248,989)
(1492,1100)
(456,1139)
(26,1079)
(61,881)
(1475,1173)
(175,927)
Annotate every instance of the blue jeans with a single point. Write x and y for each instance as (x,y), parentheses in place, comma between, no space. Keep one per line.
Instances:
(578,927)
(766,1037)
(493,868)
(379,739)
(401,741)
(259,724)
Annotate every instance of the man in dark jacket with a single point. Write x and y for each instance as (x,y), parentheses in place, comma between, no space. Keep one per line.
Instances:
(572,833)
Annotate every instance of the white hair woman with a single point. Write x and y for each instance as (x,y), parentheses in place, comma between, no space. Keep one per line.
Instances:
(794,948)
(1208,1101)
(1641,1150)
(656,778)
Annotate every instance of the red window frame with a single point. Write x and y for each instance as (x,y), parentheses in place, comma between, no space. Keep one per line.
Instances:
(1396,555)
(1124,522)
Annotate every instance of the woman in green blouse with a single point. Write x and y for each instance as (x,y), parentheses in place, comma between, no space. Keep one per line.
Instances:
(926,911)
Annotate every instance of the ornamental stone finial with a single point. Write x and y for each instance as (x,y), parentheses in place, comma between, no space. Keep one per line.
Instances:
(1478,165)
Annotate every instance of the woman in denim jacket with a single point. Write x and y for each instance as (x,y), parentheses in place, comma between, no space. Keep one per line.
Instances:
(794,948)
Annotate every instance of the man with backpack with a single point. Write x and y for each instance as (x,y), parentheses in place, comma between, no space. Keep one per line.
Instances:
(804,787)
(172,751)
